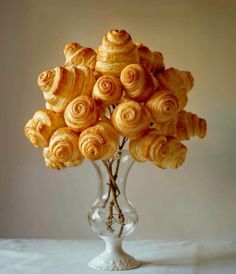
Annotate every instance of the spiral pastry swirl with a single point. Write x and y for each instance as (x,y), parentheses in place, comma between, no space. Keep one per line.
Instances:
(138,82)
(63,145)
(51,161)
(99,142)
(174,156)
(130,119)
(39,129)
(77,55)
(163,106)
(62,85)
(107,90)
(189,125)
(81,113)
(177,81)
(147,148)
(116,52)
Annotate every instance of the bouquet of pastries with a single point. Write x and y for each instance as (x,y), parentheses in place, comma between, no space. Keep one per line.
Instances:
(120,90)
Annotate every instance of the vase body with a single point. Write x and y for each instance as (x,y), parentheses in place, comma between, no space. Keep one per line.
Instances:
(112,216)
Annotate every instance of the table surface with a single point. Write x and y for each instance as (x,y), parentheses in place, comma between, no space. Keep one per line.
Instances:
(21,256)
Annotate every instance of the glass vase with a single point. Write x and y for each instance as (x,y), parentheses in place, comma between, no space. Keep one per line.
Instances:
(112,216)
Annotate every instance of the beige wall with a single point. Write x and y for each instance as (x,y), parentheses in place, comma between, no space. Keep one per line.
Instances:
(198,201)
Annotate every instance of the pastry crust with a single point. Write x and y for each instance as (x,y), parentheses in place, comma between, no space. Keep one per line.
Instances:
(116,52)
(146,58)
(159,65)
(107,91)
(138,82)
(177,81)
(39,129)
(77,55)
(163,106)
(189,125)
(61,85)
(99,142)
(81,113)
(130,119)
(63,145)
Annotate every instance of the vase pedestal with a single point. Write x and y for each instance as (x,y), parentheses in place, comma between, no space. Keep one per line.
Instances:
(114,257)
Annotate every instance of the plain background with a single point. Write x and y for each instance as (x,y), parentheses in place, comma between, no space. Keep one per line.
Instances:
(197,201)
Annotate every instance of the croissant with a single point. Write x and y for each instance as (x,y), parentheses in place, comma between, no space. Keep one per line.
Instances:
(189,124)
(51,161)
(81,113)
(130,119)
(77,55)
(99,142)
(116,52)
(39,129)
(158,63)
(167,128)
(147,147)
(146,58)
(173,154)
(63,145)
(163,106)
(138,82)
(107,90)
(180,82)
(61,85)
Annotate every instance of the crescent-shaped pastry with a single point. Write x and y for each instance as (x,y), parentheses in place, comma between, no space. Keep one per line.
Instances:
(158,63)
(146,58)
(81,113)
(138,82)
(39,129)
(99,142)
(167,128)
(77,55)
(180,82)
(61,85)
(147,147)
(116,52)
(163,106)
(189,124)
(174,154)
(130,119)
(63,145)
(107,91)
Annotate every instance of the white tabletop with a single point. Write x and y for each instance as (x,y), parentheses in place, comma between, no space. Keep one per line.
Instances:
(71,257)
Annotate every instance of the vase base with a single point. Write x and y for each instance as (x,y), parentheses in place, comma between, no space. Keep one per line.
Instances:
(114,263)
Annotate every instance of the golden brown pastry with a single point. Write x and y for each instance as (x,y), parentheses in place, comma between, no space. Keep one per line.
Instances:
(61,85)
(81,113)
(173,154)
(180,82)
(146,58)
(158,61)
(130,119)
(99,142)
(63,145)
(39,129)
(116,52)
(163,106)
(166,128)
(107,91)
(77,55)
(138,82)
(51,161)
(189,124)
(147,147)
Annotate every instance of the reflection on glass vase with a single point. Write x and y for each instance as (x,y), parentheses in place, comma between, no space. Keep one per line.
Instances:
(112,216)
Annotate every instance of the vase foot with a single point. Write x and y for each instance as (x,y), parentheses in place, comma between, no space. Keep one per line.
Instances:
(114,258)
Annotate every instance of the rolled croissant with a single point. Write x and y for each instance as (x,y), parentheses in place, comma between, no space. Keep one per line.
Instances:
(99,142)
(173,154)
(39,129)
(158,61)
(77,55)
(180,82)
(146,58)
(107,90)
(51,161)
(138,82)
(163,106)
(63,145)
(167,128)
(189,124)
(116,52)
(81,113)
(61,85)
(147,147)
(130,119)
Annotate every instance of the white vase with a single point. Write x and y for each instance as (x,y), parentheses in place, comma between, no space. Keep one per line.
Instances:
(112,216)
